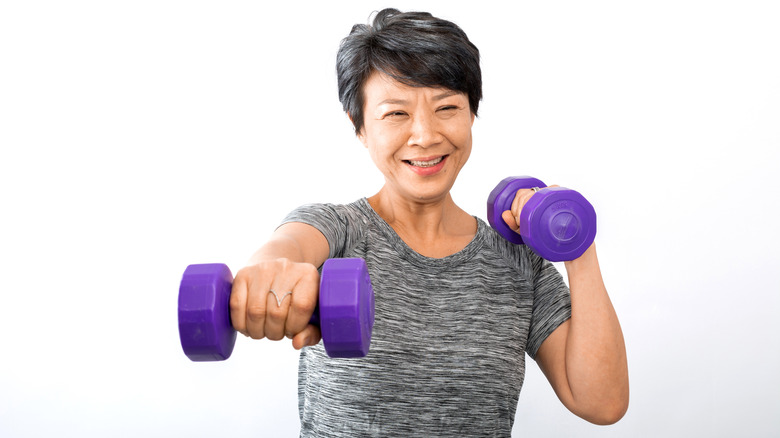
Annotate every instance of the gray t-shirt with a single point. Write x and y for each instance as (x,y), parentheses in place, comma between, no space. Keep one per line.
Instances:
(447,354)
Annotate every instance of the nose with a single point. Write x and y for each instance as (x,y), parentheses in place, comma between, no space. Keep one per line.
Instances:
(424,131)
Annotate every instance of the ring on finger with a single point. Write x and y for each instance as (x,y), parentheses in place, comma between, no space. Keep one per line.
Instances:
(278,299)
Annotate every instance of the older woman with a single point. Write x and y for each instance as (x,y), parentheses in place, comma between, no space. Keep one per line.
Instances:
(457,306)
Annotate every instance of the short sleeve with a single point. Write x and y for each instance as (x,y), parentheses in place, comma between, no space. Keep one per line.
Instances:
(552,303)
(335,222)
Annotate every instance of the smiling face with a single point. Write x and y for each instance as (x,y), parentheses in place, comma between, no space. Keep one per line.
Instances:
(418,137)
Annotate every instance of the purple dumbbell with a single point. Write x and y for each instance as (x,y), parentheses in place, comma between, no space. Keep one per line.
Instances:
(559,224)
(345,312)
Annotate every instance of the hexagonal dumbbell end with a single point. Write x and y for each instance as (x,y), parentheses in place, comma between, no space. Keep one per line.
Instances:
(204,312)
(345,310)
(559,224)
(500,200)
(346,307)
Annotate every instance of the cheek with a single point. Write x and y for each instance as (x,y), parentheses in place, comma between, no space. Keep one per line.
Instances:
(383,142)
(460,135)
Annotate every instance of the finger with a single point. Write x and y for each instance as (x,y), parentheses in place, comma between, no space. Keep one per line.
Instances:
(303,300)
(277,307)
(521,197)
(280,300)
(510,220)
(257,303)
(238,296)
(308,337)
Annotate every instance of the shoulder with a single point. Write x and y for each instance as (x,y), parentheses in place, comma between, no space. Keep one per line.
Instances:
(524,261)
(322,213)
(342,224)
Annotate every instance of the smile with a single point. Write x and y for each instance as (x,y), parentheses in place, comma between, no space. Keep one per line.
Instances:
(429,163)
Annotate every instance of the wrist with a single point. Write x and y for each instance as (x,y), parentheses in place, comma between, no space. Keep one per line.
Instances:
(586,262)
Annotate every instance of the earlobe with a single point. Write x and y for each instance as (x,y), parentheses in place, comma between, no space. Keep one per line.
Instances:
(360,135)
(362,138)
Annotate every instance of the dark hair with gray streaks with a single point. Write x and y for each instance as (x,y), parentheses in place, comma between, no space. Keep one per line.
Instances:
(414,48)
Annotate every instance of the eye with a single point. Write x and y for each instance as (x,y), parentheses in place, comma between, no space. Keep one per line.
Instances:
(393,114)
(448,111)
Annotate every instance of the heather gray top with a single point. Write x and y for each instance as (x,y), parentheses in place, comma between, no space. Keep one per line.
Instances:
(447,354)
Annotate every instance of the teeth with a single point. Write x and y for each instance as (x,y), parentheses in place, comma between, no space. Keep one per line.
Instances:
(426,163)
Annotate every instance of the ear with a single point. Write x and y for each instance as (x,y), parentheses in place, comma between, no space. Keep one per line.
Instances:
(360,135)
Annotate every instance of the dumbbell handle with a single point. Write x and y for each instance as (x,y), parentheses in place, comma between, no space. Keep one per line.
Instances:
(500,200)
(558,223)
(207,334)
(196,275)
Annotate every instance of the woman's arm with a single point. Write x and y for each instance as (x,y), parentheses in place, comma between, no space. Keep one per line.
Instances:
(585,358)
(288,262)
(297,242)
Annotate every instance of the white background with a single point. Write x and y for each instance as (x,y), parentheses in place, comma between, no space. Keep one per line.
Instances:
(138,137)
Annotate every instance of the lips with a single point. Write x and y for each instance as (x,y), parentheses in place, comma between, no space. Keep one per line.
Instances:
(426,166)
(426,162)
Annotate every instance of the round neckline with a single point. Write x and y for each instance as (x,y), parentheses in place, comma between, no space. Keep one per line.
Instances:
(465,254)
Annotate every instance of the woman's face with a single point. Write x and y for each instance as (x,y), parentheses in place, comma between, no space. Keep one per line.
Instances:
(419,138)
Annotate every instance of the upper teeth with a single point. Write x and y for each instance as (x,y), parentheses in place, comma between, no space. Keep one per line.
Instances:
(426,163)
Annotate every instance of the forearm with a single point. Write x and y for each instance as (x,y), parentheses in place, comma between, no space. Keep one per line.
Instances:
(287,262)
(296,242)
(278,247)
(595,354)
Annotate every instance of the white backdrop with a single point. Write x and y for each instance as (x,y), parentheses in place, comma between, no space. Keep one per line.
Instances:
(138,137)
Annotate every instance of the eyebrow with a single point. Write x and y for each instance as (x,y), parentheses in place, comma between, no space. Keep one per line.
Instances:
(437,97)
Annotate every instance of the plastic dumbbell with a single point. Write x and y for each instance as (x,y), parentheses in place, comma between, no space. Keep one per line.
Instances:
(557,223)
(344,314)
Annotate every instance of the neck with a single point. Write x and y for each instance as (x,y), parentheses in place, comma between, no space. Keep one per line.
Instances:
(434,228)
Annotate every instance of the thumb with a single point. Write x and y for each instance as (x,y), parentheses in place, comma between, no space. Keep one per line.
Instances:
(510,220)
(308,337)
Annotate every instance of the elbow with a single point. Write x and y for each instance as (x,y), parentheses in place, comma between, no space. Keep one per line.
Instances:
(610,404)
(603,408)
(609,417)
(608,413)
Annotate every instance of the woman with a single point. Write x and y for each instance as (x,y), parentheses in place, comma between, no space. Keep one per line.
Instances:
(457,306)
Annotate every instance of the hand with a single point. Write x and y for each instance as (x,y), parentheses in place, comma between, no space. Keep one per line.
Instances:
(258,313)
(512,217)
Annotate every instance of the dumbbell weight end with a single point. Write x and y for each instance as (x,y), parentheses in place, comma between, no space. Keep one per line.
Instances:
(559,224)
(204,312)
(345,310)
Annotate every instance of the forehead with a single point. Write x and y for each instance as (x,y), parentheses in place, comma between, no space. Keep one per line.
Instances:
(381,88)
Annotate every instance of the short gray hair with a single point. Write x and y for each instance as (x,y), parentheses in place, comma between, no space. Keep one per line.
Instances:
(414,48)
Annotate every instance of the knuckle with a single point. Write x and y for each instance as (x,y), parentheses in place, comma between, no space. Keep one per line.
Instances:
(304,306)
(255,312)
(255,333)
(245,275)
(274,336)
(310,273)
(276,312)
(236,303)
